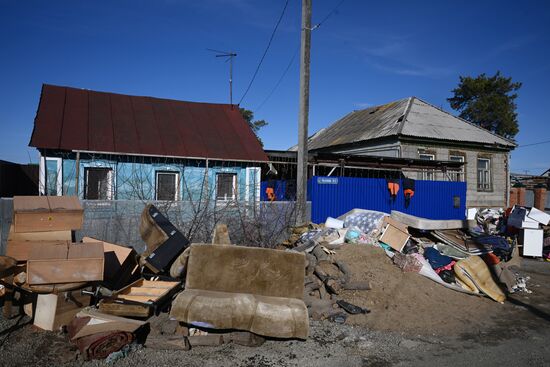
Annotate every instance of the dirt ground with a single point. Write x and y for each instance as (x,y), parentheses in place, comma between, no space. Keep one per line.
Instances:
(413,322)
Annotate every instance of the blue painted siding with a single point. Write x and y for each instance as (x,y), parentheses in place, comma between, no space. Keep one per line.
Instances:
(137,180)
(334,196)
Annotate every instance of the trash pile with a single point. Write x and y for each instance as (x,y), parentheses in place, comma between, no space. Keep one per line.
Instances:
(106,298)
(109,300)
(478,256)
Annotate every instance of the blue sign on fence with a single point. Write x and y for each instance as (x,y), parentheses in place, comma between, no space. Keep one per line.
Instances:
(327,180)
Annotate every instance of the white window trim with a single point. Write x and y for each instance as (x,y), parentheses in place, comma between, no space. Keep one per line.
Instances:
(489,175)
(176,183)
(234,190)
(461,170)
(42,175)
(110,180)
(426,172)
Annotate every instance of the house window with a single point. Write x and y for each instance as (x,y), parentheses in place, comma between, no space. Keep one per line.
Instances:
(458,174)
(53,177)
(427,174)
(483,174)
(226,186)
(167,185)
(99,184)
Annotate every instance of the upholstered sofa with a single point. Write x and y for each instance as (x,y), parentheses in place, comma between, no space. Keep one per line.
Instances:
(244,288)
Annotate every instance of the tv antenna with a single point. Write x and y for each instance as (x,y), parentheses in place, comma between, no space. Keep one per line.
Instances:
(229,55)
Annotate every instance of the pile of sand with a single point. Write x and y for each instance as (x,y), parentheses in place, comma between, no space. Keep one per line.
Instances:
(408,302)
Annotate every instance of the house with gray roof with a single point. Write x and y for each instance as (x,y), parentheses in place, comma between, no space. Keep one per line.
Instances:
(413,128)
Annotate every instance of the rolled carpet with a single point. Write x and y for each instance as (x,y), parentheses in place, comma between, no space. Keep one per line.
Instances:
(100,345)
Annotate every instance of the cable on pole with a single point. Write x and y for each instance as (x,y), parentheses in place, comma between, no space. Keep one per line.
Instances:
(265,52)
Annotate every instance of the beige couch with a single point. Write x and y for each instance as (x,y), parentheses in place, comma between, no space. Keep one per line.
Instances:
(244,288)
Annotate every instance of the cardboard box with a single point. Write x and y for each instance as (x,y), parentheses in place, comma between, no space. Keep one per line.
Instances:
(532,242)
(47,213)
(73,263)
(56,310)
(120,266)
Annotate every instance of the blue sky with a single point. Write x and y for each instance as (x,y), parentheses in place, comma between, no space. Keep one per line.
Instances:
(366,53)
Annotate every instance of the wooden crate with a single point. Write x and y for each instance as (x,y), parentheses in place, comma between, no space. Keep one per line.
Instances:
(47,213)
(21,250)
(53,264)
(141,296)
(56,310)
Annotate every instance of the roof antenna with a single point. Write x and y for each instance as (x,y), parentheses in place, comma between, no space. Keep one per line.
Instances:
(229,55)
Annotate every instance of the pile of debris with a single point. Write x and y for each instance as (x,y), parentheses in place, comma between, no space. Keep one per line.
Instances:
(106,297)
(479,257)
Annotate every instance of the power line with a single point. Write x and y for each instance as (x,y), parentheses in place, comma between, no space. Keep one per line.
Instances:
(329,14)
(265,52)
(528,145)
(280,79)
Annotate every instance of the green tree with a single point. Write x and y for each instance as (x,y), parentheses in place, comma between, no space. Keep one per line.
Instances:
(488,101)
(254,125)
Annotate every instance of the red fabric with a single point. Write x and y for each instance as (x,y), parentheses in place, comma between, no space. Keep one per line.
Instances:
(449,266)
(490,259)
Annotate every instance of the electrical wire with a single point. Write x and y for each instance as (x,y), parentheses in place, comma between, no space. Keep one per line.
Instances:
(265,52)
(280,79)
(329,14)
(528,145)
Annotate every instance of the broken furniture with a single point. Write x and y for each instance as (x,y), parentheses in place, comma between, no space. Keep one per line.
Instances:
(65,263)
(56,310)
(164,241)
(139,299)
(97,334)
(46,213)
(244,288)
(121,266)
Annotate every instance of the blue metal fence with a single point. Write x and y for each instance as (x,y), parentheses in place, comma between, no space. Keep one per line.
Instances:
(334,196)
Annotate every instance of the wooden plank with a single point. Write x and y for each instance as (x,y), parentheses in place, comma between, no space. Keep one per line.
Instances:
(47,213)
(39,236)
(55,264)
(136,298)
(20,250)
(30,204)
(64,204)
(125,310)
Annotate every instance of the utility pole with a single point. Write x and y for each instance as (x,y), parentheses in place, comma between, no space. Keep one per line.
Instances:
(229,55)
(303,116)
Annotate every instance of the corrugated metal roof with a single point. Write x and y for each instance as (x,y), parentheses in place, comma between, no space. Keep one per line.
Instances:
(371,123)
(85,120)
(427,121)
(408,117)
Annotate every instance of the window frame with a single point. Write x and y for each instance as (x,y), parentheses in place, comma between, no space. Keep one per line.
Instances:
(44,175)
(176,184)
(234,186)
(484,187)
(427,172)
(460,173)
(110,182)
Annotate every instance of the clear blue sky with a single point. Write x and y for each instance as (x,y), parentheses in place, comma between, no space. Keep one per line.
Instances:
(366,53)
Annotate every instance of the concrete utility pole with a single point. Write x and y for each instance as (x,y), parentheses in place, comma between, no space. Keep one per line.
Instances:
(303,116)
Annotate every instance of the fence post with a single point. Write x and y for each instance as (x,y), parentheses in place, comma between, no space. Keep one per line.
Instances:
(540,198)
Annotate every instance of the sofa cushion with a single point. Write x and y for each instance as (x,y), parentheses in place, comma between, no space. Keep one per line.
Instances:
(240,269)
(277,317)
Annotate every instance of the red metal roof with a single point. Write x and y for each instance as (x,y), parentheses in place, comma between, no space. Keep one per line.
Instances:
(85,120)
